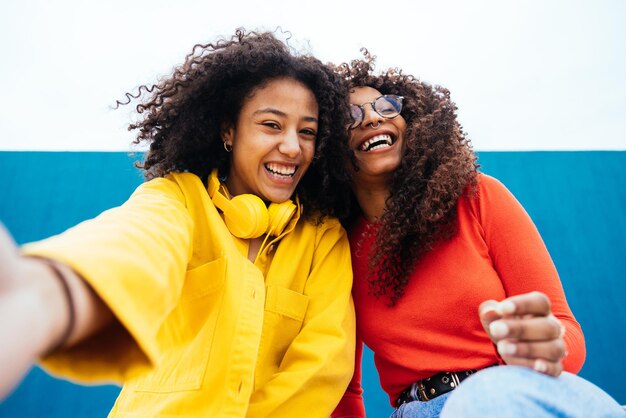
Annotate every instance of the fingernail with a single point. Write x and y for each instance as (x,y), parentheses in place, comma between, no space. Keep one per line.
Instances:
(506,307)
(487,309)
(506,348)
(540,366)
(498,329)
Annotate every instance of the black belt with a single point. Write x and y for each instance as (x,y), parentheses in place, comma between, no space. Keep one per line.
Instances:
(431,387)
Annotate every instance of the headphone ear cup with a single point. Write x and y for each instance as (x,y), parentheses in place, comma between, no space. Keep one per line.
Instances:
(246,216)
(280,214)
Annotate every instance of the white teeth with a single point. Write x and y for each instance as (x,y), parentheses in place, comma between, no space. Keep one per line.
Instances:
(381,141)
(281,170)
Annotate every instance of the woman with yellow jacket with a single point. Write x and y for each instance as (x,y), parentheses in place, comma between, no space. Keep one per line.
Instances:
(222,286)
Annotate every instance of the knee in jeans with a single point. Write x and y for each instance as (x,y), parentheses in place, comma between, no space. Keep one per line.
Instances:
(504,384)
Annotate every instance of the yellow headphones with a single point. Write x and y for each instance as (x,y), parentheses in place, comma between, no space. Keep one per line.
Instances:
(246,215)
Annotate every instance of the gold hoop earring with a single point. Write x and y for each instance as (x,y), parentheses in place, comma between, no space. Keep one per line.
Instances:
(227,147)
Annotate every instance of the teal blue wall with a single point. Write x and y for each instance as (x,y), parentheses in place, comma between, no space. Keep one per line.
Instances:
(577,200)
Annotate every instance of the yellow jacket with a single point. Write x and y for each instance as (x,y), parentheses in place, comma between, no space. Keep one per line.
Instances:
(205,332)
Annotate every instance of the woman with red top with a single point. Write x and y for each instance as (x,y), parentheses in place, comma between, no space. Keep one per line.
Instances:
(434,245)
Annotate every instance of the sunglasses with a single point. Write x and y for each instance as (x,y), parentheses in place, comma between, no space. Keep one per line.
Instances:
(388,106)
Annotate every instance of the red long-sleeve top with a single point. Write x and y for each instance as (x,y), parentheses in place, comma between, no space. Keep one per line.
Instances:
(497,252)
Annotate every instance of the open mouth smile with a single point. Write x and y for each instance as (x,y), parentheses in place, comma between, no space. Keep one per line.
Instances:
(376,142)
(281,170)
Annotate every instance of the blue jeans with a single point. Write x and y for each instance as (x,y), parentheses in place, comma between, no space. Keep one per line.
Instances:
(511,391)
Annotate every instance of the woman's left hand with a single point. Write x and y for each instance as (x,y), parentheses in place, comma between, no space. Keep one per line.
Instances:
(525,332)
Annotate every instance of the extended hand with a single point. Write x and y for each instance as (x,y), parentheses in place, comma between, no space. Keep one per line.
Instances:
(525,332)
(16,352)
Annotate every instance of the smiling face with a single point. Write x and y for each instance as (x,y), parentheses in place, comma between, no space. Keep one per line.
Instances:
(273,140)
(378,143)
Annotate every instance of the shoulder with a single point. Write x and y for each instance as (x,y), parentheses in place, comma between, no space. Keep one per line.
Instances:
(328,223)
(488,194)
(489,188)
(179,186)
(493,202)
(322,228)
(485,181)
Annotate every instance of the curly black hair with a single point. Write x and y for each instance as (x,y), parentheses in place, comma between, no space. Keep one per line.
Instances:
(184,114)
(438,168)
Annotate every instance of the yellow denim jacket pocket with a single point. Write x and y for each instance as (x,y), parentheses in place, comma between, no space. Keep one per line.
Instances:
(285,310)
(187,333)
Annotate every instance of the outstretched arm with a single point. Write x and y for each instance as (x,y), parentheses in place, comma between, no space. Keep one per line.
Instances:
(42,309)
